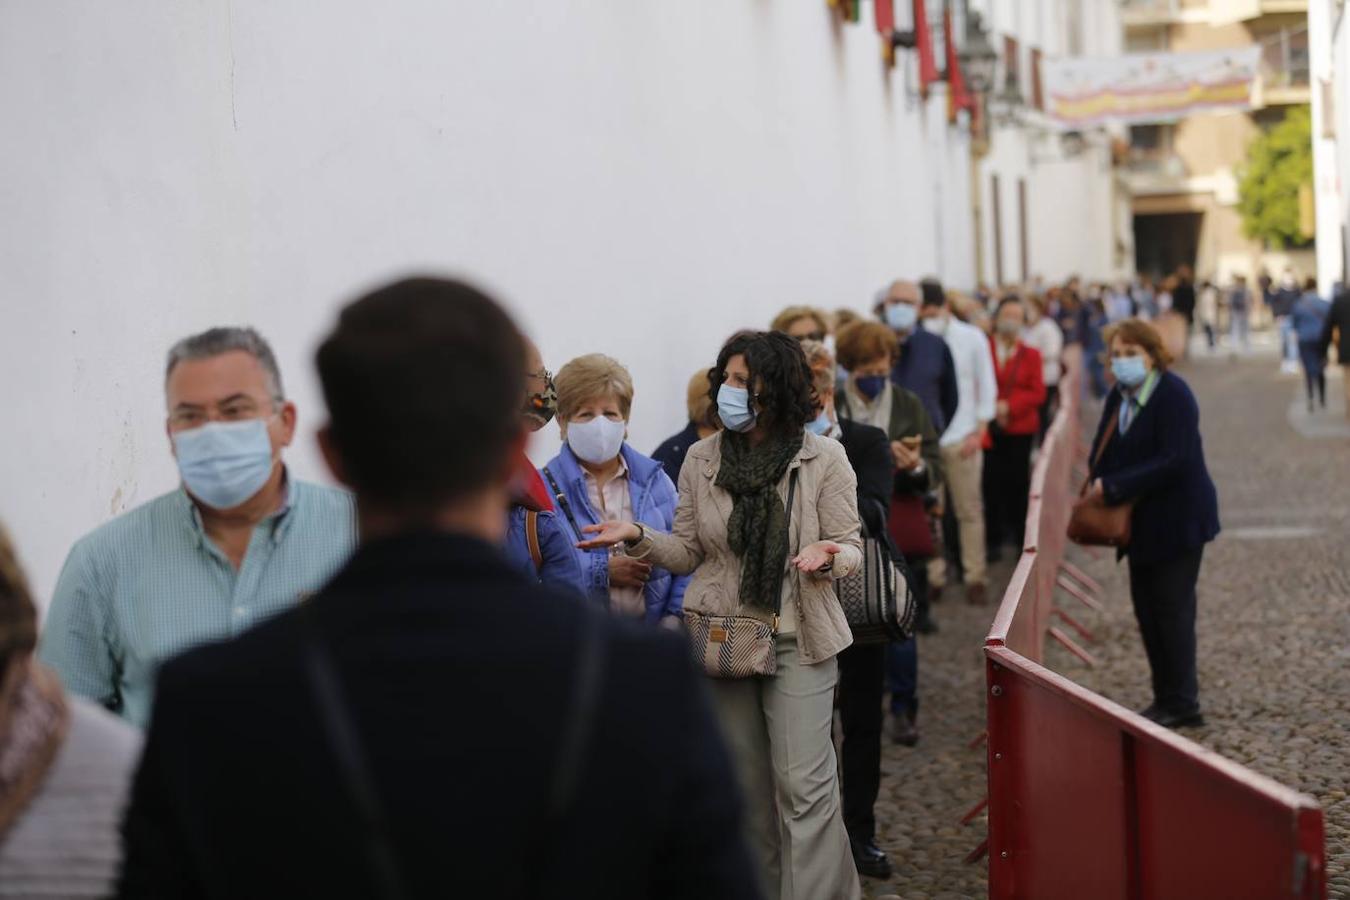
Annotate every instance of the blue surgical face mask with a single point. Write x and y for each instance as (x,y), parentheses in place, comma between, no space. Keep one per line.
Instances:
(224,464)
(597,441)
(821,424)
(1129,370)
(901,316)
(870,386)
(733,408)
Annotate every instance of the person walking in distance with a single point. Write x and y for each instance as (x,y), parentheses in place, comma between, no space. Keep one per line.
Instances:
(767,520)
(432,723)
(1337,326)
(1148,453)
(1308,317)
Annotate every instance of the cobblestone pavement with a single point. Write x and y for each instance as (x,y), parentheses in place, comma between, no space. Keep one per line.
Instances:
(1274,631)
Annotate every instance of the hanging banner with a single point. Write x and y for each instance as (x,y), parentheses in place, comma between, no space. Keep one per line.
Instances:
(1152,87)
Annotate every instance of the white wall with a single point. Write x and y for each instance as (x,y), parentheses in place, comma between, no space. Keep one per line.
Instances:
(1072,207)
(634,178)
(1329,56)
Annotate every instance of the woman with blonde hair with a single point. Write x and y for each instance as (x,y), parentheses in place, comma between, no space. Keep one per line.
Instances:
(597,477)
(801,323)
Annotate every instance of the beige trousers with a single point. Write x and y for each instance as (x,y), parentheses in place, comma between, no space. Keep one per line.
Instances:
(963,484)
(779,732)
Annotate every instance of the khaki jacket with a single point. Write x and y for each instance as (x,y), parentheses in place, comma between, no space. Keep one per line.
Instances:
(825,509)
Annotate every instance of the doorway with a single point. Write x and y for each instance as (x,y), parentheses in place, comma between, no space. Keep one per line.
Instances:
(1162,243)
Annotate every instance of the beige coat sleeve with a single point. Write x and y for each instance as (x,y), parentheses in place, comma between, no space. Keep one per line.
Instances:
(681,551)
(837,508)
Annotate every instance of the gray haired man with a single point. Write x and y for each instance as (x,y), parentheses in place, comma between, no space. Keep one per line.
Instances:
(237,542)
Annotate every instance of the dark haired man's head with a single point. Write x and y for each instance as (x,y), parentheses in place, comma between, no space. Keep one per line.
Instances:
(779,379)
(423,380)
(933,294)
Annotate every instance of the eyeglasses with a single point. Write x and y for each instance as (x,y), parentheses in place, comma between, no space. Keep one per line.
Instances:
(235,410)
(813,336)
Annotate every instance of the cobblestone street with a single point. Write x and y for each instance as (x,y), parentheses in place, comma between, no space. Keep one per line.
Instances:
(1274,634)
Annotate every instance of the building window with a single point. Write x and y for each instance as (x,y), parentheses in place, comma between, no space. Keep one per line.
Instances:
(1284,57)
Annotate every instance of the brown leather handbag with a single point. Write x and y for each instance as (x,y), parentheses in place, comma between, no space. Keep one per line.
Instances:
(1093,522)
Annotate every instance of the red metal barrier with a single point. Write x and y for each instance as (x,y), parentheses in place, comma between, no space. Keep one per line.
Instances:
(1090,800)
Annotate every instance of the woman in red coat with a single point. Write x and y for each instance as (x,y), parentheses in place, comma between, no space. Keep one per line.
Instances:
(1007,460)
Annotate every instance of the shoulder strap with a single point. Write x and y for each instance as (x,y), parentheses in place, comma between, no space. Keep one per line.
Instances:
(346,747)
(1106,439)
(562,502)
(573,746)
(532,538)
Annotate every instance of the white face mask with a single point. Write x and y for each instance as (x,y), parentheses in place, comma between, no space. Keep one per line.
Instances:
(597,441)
(936,325)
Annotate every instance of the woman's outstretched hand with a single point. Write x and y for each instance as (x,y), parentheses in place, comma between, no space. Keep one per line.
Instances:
(816,556)
(608,535)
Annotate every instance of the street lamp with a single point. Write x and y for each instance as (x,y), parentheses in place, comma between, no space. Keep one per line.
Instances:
(978,57)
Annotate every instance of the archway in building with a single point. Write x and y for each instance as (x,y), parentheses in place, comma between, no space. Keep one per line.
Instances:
(1164,242)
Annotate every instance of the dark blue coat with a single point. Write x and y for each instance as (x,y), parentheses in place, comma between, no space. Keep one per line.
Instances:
(671,452)
(1160,464)
(925,366)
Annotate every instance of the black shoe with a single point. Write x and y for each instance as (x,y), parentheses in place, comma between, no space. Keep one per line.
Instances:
(1191,719)
(903,730)
(871,860)
(1150,712)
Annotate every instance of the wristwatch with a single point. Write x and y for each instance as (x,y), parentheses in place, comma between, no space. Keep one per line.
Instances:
(642,534)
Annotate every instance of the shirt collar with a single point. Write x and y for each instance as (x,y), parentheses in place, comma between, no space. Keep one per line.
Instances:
(1140,397)
(278,521)
(621,473)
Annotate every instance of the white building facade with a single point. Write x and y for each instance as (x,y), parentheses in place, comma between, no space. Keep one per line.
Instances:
(1051,203)
(1329,58)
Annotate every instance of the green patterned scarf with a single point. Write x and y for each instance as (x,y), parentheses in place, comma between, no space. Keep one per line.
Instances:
(758,528)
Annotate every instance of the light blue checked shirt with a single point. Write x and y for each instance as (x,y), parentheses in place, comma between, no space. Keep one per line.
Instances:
(150,584)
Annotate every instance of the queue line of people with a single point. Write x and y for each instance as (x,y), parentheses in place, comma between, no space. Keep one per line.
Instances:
(790,456)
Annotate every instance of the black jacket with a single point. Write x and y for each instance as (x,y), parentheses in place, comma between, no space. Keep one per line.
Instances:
(673,449)
(457,674)
(869,453)
(1338,317)
(1160,465)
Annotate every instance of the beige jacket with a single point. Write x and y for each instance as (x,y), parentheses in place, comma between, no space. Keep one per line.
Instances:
(825,509)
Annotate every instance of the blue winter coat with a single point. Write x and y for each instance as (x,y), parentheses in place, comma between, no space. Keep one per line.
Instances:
(653,498)
(1309,315)
(1160,464)
(560,567)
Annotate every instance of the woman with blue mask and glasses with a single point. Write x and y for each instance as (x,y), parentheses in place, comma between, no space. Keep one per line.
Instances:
(767,519)
(597,478)
(1148,453)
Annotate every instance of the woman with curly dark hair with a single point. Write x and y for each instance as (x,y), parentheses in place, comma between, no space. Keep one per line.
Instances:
(767,520)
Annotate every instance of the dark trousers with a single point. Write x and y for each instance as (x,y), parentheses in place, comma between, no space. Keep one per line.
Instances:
(1164,604)
(1314,370)
(1005,484)
(902,660)
(1048,410)
(862,680)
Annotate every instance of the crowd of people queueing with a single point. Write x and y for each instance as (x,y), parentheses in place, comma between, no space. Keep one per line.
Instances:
(407,685)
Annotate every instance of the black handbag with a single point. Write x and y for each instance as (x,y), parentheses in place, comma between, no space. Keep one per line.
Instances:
(877,600)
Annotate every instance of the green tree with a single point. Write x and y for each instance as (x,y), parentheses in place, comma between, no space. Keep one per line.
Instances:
(1279,166)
